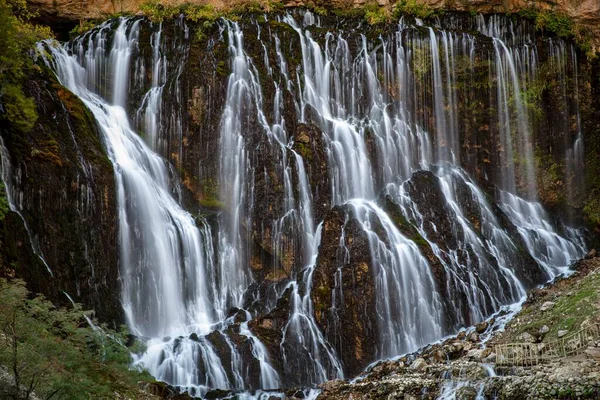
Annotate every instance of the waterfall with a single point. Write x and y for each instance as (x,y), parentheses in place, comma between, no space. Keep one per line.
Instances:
(407,300)
(387,112)
(311,352)
(162,250)
(516,67)
(166,255)
(348,113)
(148,114)
(234,180)
(482,283)
(15,198)
(451,390)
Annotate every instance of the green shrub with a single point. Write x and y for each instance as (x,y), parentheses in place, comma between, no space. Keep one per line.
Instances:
(413,8)
(591,209)
(560,24)
(82,28)
(56,354)
(375,14)
(18,40)
(19,109)
(200,13)
(157,11)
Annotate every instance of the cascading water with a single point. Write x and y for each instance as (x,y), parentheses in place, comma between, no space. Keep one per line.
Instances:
(166,258)
(6,174)
(235,172)
(311,352)
(452,389)
(150,110)
(388,113)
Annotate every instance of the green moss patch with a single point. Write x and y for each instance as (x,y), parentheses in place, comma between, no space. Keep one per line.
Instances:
(573,306)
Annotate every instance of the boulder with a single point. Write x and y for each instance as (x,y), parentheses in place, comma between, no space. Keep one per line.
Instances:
(491,358)
(474,337)
(475,354)
(593,352)
(549,305)
(466,393)
(591,254)
(418,365)
(562,333)
(481,327)
(527,338)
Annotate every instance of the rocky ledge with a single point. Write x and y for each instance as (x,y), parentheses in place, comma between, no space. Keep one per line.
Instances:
(463,367)
(583,14)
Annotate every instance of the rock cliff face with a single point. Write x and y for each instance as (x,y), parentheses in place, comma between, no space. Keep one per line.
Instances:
(461,366)
(64,13)
(63,238)
(66,184)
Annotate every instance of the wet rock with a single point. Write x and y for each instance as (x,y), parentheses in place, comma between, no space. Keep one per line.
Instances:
(474,337)
(439,356)
(547,306)
(591,254)
(475,354)
(491,358)
(66,187)
(479,354)
(303,137)
(217,394)
(236,315)
(310,145)
(466,393)
(418,365)
(481,327)
(356,346)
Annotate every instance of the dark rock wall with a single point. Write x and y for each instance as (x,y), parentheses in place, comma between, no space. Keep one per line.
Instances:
(69,196)
(65,184)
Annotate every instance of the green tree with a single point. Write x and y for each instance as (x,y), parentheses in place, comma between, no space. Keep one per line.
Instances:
(16,47)
(57,354)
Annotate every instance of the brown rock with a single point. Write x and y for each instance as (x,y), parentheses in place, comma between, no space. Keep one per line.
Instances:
(591,254)
(302,137)
(585,13)
(481,327)
(474,337)
(418,365)
(593,352)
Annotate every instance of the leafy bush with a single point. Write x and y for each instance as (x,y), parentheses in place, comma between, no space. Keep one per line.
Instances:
(18,40)
(591,209)
(55,353)
(375,14)
(157,11)
(82,28)
(413,8)
(560,24)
